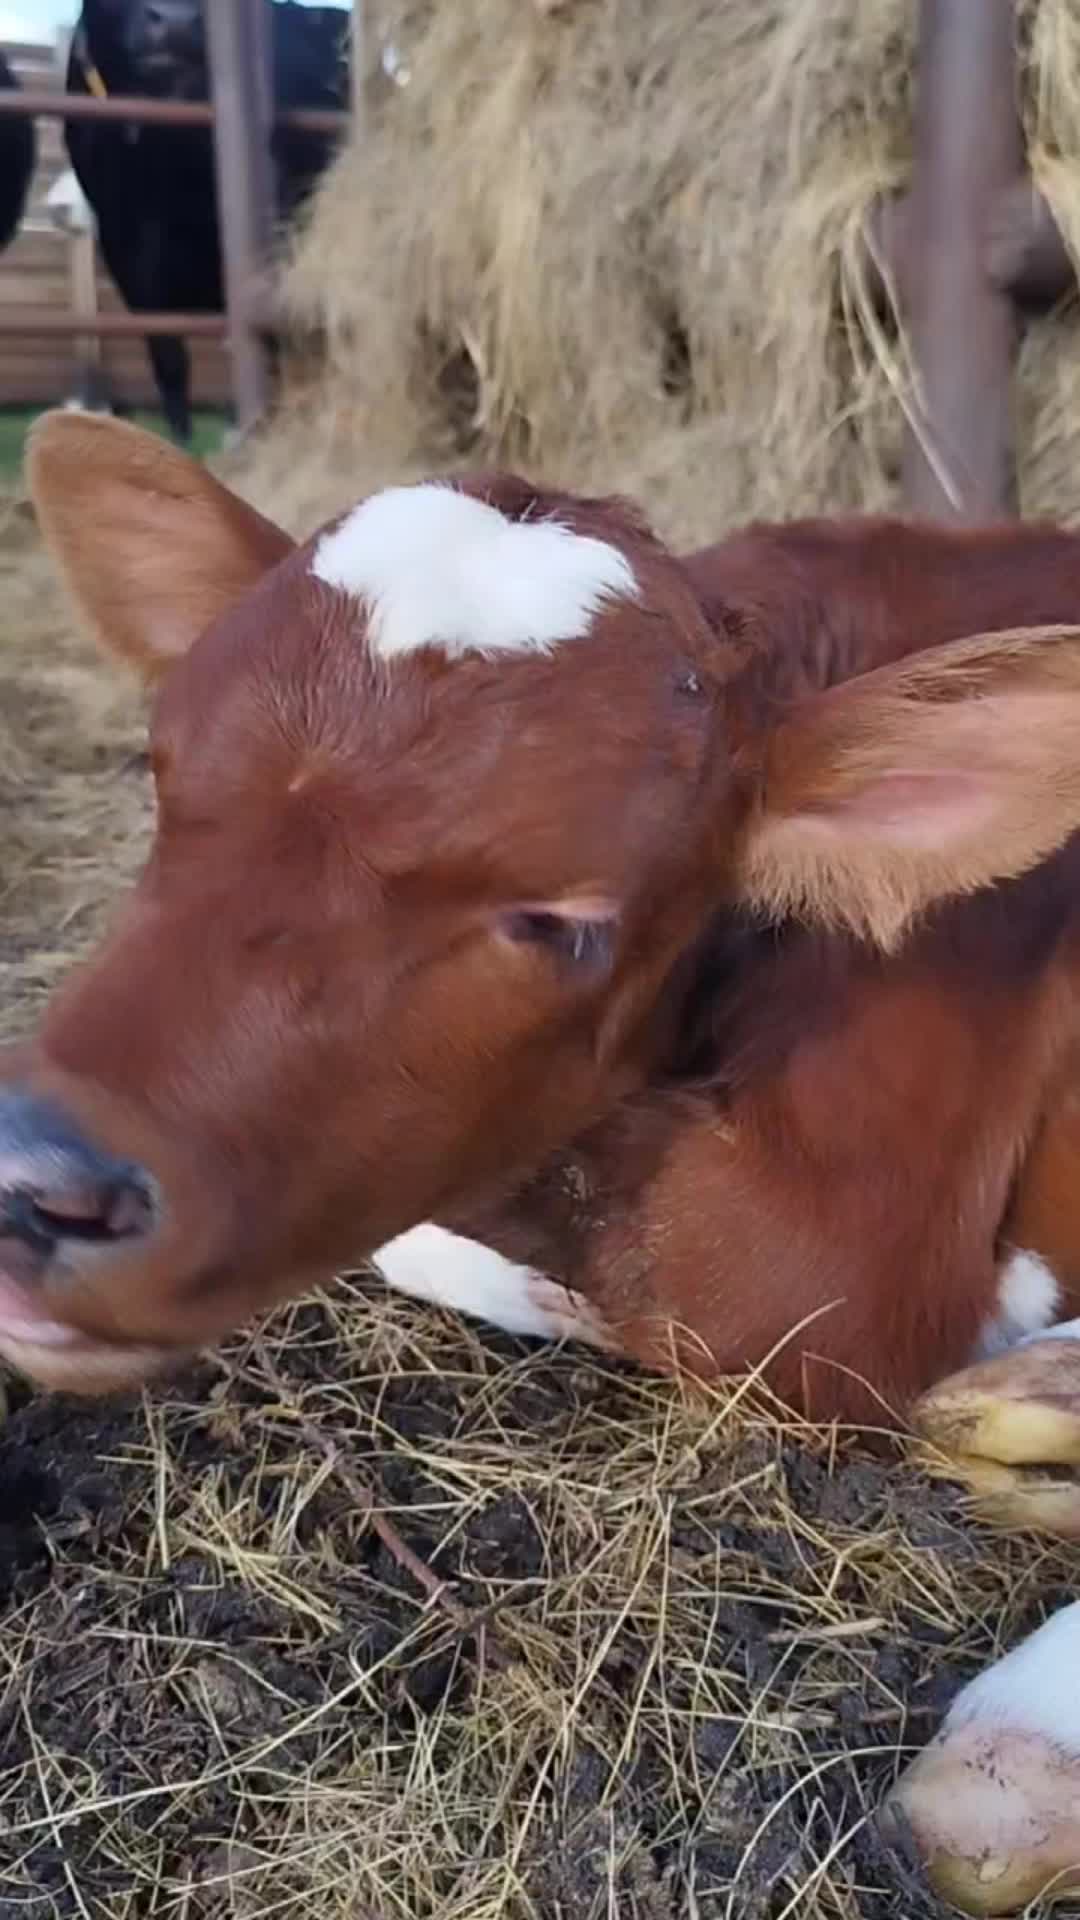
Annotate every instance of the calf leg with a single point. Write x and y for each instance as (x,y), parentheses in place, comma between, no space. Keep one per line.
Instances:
(1009,1425)
(993,1803)
(432,1264)
(1009,1429)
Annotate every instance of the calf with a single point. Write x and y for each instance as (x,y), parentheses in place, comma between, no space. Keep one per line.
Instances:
(675,954)
(18,158)
(153,188)
(706,1007)
(738,987)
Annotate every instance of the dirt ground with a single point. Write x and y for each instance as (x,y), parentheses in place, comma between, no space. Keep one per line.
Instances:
(690,1656)
(681,1647)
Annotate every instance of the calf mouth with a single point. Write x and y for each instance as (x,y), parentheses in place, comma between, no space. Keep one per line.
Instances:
(56,1355)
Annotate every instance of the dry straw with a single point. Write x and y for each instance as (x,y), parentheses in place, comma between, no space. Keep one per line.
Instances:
(620,243)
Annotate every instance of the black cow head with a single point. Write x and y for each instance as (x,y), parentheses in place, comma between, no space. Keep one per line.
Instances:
(155,47)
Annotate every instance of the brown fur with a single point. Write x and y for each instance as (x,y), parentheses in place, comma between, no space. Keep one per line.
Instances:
(747,1134)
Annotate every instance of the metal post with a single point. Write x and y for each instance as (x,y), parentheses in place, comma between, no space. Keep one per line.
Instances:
(357,67)
(242,89)
(958,460)
(82,277)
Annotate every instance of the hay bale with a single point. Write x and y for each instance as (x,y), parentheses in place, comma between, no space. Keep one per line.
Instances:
(617,243)
(74,802)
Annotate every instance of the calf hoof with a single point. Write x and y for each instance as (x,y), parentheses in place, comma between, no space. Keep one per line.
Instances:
(1009,1429)
(992,1805)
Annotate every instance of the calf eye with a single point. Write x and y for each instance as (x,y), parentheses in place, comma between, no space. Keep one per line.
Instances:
(575,941)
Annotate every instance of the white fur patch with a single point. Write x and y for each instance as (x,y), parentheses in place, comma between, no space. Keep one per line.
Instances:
(432,1264)
(1065,1330)
(437,568)
(1028,1298)
(1035,1688)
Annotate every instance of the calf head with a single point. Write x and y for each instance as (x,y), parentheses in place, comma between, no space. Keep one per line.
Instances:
(447,798)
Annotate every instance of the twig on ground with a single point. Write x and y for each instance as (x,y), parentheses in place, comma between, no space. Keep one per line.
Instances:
(438,1591)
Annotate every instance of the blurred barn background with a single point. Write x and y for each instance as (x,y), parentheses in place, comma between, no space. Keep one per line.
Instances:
(52,263)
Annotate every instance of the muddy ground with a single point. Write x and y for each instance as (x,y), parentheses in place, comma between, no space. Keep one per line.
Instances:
(683,1659)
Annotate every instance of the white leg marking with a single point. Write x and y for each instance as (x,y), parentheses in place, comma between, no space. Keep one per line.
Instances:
(1028,1298)
(1033,1689)
(994,1800)
(1065,1330)
(432,1264)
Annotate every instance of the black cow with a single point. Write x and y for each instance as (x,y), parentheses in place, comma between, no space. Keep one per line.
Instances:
(18,158)
(152,188)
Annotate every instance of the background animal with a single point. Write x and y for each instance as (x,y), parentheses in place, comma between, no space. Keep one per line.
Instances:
(152,188)
(18,155)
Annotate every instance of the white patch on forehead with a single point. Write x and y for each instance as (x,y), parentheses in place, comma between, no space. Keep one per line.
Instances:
(1028,1298)
(433,1264)
(437,568)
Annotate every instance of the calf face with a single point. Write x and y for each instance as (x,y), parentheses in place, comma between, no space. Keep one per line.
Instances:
(446,797)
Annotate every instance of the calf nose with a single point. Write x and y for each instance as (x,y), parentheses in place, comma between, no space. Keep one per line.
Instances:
(60,1192)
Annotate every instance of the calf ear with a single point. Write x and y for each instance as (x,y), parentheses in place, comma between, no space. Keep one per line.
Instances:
(935,776)
(151,546)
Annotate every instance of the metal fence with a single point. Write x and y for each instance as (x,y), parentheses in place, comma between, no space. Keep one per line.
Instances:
(969,247)
(241,115)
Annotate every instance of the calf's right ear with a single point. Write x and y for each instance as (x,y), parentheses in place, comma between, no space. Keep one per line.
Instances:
(151,547)
(935,776)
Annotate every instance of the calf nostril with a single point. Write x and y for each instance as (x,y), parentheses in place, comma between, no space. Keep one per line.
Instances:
(58,1189)
(92,1213)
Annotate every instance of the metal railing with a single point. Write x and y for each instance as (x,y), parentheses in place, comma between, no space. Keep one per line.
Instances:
(241,115)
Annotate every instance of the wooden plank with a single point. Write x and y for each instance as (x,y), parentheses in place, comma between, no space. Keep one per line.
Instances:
(21,316)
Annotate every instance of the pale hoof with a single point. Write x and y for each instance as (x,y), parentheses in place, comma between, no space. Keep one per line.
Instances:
(1009,1429)
(993,1803)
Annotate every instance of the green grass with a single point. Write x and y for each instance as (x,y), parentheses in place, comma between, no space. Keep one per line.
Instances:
(15,423)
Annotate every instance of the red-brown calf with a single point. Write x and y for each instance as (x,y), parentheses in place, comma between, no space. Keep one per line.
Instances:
(678,954)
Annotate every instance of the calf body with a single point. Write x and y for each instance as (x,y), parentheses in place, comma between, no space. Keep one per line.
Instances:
(866,1137)
(152,188)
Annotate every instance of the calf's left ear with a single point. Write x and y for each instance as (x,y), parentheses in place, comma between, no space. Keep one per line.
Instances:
(929,778)
(152,548)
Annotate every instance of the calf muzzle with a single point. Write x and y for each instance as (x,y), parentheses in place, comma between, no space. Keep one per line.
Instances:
(60,1194)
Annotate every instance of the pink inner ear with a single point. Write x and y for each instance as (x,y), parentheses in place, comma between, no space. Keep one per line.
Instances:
(924,810)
